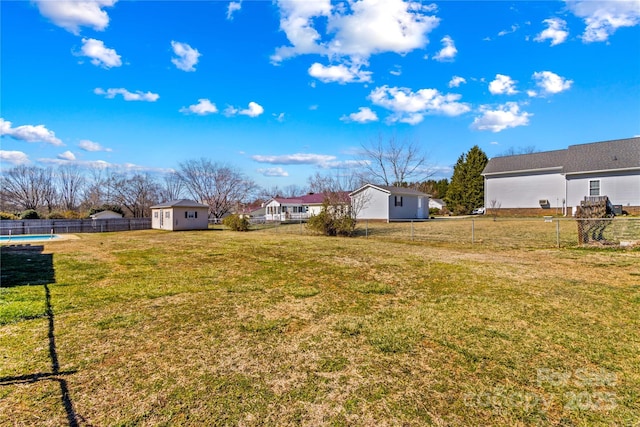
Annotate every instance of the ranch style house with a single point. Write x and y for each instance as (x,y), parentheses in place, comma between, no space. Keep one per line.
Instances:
(559,180)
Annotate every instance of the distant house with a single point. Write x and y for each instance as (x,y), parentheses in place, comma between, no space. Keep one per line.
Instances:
(387,203)
(561,179)
(253,210)
(298,208)
(437,204)
(180,215)
(105,215)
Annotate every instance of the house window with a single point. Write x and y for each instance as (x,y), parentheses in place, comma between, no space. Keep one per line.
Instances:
(398,200)
(155,214)
(191,214)
(167,214)
(594,188)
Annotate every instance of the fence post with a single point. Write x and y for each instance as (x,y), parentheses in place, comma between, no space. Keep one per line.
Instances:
(558,232)
(366,229)
(411,229)
(473,231)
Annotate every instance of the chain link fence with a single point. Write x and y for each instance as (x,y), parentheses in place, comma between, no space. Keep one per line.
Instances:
(547,232)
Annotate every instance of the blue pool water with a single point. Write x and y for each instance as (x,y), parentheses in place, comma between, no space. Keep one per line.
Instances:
(28,237)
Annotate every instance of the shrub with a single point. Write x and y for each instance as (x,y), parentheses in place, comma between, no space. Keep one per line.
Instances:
(332,221)
(29,214)
(7,216)
(236,223)
(56,215)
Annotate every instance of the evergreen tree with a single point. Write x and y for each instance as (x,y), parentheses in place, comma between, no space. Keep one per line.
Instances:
(466,189)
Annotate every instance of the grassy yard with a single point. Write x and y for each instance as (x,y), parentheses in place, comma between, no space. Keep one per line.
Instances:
(269,328)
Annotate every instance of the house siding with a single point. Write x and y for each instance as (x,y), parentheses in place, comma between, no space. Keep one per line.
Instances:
(177,221)
(409,208)
(621,188)
(525,191)
(373,204)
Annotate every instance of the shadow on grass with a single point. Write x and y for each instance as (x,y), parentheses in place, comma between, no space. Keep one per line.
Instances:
(26,265)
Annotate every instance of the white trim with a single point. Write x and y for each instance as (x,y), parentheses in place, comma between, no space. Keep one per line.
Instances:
(554,168)
(602,171)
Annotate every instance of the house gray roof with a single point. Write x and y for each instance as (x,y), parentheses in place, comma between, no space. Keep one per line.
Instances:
(601,156)
(597,156)
(181,203)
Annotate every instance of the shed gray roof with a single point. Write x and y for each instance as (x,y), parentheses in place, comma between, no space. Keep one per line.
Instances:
(181,203)
(617,154)
(401,191)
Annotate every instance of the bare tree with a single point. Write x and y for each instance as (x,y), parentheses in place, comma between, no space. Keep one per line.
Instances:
(97,191)
(394,162)
(513,151)
(218,185)
(494,208)
(136,194)
(28,187)
(172,187)
(71,182)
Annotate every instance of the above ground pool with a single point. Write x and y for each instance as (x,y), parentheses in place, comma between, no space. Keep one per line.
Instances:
(28,238)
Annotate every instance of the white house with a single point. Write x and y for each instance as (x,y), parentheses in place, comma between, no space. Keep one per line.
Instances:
(382,202)
(297,208)
(561,179)
(180,215)
(437,204)
(105,215)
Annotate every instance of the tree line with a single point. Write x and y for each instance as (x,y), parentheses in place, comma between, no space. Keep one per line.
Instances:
(69,191)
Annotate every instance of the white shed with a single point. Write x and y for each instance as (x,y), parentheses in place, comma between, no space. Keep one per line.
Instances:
(178,215)
(105,215)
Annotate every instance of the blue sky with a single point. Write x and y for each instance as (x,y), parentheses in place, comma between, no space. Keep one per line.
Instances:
(285,89)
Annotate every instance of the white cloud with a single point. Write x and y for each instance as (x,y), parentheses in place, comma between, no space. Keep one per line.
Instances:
(604,17)
(410,107)
(339,73)
(295,159)
(73,14)
(273,172)
(397,71)
(29,133)
(456,81)
(502,85)
(126,95)
(550,83)
(512,30)
(254,110)
(233,7)
(504,117)
(448,51)
(67,155)
(88,145)
(556,31)
(494,143)
(279,117)
(364,115)
(99,54)
(16,158)
(203,107)
(355,30)
(187,56)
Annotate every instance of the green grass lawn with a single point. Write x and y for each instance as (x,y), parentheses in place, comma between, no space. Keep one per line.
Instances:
(269,328)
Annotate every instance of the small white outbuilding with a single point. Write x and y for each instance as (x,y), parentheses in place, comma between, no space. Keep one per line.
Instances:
(106,215)
(180,214)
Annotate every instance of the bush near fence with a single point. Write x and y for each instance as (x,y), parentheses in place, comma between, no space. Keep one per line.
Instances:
(44,226)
